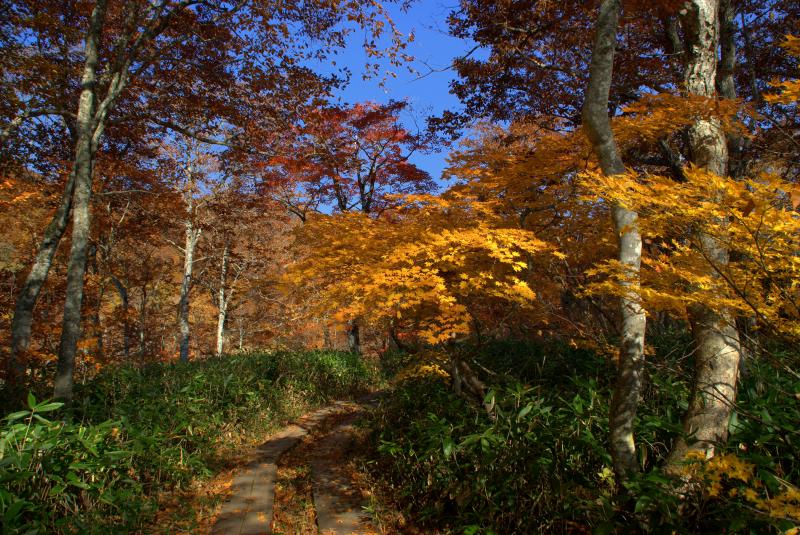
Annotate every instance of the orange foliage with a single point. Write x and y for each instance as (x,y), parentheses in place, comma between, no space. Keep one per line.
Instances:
(429,264)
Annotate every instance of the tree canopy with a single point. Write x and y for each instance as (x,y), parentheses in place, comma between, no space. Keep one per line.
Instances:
(180,179)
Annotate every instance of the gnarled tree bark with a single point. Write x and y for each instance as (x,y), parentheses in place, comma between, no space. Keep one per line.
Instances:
(717,348)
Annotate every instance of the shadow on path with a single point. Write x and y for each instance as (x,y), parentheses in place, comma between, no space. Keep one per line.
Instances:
(249,509)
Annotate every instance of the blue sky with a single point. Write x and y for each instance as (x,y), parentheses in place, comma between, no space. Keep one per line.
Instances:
(427,92)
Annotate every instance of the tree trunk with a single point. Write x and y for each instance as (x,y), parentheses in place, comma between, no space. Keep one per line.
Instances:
(29,295)
(83,167)
(97,320)
(192,235)
(468,385)
(326,334)
(625,399)
(717,348)
(396,343)
(76,269)
(353,337)
(143,325)
(727,38)
(126,335)
(390,344)
(222,302)
(737,162)
(222,316)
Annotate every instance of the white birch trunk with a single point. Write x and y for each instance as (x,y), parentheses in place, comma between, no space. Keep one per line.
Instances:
(192,235)
(625,399)
(222,302)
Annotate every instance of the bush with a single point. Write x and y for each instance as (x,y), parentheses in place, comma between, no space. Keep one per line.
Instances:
(51,470)
(522,472)
(132,433)
(540,463)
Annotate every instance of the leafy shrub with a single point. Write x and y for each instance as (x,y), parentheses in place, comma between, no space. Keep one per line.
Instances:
(540,464)
(522,470)
(391,362)
(51,470)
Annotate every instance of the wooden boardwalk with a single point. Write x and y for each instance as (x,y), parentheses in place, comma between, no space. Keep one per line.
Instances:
(249,509)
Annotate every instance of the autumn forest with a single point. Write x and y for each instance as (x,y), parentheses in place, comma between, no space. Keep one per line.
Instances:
(216,265)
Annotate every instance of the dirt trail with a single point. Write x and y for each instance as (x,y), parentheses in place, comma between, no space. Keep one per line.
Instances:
(326,437)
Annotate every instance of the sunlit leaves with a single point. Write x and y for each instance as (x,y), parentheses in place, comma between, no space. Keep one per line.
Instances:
(789,89)
(755,220)
(427,264)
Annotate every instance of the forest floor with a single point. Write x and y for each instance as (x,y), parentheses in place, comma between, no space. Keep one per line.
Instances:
(301,480)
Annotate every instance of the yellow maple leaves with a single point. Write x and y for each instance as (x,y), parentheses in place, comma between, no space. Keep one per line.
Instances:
(789,89)
(739,477)
(430,263)
(527,226)
(755,220)
(427,364)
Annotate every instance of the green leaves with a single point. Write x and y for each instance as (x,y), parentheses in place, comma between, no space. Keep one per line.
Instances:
(541,462)
(509,473)
(34,408)
(448,446)
(44,465)
(136,432)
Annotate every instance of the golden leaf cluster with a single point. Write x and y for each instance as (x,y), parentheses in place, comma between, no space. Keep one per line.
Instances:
(526,229)
(756,222)
(789,89)
(729,476)
(425,264)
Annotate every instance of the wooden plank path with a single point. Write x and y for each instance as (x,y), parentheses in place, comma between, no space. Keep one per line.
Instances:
(337,504)
(248,511)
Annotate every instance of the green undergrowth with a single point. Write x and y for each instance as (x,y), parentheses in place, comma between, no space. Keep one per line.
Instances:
(133,433)
(540,463)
